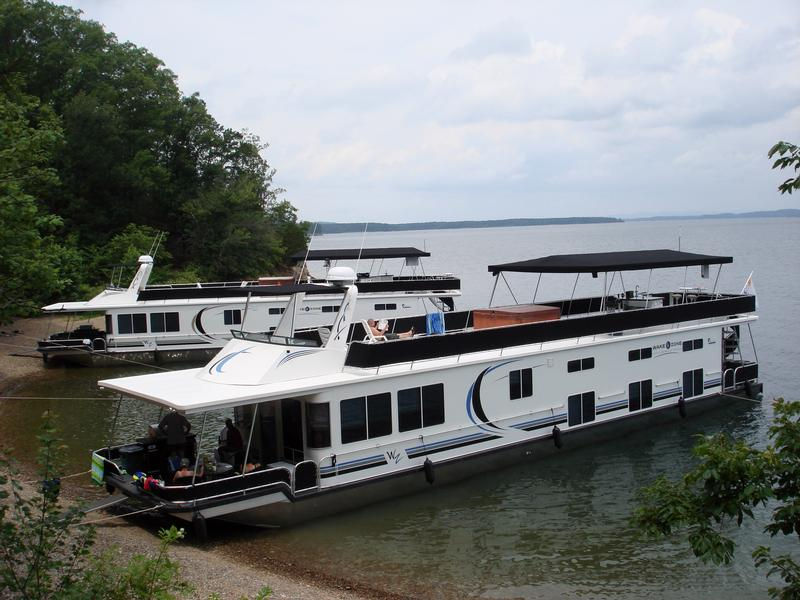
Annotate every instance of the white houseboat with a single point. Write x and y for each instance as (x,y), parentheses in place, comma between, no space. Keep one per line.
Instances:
(357,419)
(193,321)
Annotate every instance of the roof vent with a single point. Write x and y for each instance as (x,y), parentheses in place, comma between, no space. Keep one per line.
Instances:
(341,275)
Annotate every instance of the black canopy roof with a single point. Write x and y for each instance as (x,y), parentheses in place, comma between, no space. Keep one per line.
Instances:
(355,253)
(604,262)
(236,292)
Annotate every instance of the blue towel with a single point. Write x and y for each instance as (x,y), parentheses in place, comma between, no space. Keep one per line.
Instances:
(434,322)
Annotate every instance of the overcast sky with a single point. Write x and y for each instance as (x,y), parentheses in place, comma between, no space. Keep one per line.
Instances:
(447,111)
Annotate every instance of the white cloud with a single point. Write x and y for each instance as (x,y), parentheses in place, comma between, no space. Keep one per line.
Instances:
(424,111)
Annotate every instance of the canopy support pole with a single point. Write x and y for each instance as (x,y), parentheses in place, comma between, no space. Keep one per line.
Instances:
(249,441)
(197,453)
(113,427)
(605,291)
(714,291)
(305,258)
(509,289)
(647,291)
(244,316)
(622,281)
(494,287)
(752,341)
(685,273)
(536,291)
(569,306)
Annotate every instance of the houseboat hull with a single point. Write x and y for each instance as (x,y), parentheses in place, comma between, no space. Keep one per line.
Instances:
(277,506)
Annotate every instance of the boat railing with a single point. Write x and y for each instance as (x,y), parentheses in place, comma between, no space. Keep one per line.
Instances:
(225,487)
(733,376)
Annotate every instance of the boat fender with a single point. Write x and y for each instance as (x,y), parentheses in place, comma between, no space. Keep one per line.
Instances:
(199,527)
(557,437)
(428,468)
(682,407)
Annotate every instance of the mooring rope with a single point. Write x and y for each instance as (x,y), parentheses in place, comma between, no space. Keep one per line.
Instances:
(130,514)
(60,477)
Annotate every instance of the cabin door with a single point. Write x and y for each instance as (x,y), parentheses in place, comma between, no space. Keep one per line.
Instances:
(292,421)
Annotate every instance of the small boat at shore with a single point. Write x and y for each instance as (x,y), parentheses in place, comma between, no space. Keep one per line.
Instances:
(330,425)
(191,322)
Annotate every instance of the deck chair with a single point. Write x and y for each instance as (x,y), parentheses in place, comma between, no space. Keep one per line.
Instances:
(370,337)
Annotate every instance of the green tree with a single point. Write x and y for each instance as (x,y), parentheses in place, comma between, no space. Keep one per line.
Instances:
(789,155)
(30,256)
(731,480)
(42,543)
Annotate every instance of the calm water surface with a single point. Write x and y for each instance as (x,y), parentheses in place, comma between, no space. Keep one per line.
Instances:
(549,528)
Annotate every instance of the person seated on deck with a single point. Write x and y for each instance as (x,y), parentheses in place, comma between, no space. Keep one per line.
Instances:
(176,427)
(231,445)
(184,475)
(249,467)
(378,331)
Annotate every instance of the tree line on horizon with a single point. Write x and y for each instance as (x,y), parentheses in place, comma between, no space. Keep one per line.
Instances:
(100,151)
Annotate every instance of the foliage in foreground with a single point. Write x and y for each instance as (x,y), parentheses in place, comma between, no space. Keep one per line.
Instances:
(730,481)
(45,550)
(788,156)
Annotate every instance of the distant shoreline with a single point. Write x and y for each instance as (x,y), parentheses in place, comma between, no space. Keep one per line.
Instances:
(323,227)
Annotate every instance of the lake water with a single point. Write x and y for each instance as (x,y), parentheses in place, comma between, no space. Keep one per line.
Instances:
(550,528)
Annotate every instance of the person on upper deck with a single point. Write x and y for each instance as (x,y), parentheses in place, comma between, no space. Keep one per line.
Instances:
(382,331)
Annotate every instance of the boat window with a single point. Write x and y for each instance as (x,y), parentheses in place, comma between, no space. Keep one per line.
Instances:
(432,405)
(580,408)
(330,308)
(379,415)
(640,354)
(581,364)
(161,322)
(690,345)
(692,383)
(136,323)
(353,412)
(362,420)
(409,409)
(520,384)
(640,395)
(318,425)
(390,306)
(420,407)
(109,325)
(232,316)
(276,311)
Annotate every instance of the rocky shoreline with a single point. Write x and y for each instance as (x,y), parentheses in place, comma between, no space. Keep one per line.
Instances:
(211,569)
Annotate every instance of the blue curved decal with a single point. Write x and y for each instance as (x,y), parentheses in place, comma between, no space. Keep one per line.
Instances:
(294,355)
(217,366)
(474,406)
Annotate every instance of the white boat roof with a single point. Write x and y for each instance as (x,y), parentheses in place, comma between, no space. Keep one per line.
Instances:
(187,392)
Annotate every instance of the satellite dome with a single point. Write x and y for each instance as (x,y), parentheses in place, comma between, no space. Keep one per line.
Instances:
(341,275)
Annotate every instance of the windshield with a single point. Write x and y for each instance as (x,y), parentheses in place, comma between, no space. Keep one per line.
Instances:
(268,338)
